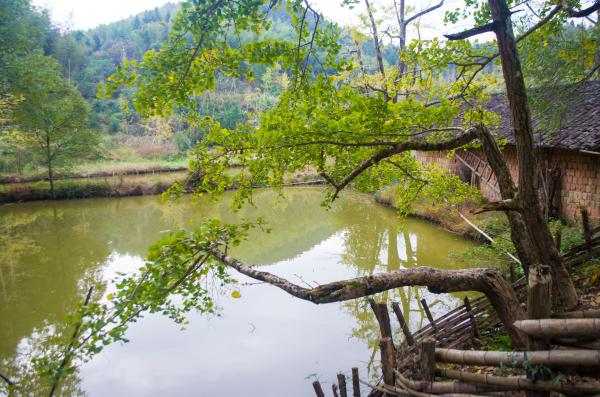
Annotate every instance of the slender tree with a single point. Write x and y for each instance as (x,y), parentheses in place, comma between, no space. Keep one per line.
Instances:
(52,115)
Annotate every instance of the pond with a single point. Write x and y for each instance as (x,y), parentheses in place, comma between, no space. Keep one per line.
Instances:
(264,343)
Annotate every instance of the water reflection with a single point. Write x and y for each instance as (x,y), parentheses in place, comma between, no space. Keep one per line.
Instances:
(263,343)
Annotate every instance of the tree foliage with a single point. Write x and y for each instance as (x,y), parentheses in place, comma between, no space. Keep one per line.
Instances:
(51,117)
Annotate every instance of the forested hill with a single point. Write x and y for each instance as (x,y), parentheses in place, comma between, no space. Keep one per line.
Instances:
(89,57)
(95,53)
(37,57)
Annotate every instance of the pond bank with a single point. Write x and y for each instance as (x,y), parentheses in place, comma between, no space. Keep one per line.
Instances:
(448,219)
(8,179)
(109,186)
(119,185)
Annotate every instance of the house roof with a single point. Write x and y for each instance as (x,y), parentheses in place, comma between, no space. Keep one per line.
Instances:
(571,122)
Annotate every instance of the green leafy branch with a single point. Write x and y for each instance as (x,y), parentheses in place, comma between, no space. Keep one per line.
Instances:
(173,282)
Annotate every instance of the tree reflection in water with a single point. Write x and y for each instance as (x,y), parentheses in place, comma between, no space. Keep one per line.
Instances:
(376,242)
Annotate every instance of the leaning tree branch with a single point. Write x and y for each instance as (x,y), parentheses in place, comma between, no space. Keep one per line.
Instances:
(487,60)
(488,27)
(487,281)
(502,205)
(420,145)
(423,12)
(580,13)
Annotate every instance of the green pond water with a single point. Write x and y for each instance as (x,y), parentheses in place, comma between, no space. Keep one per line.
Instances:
(265,343)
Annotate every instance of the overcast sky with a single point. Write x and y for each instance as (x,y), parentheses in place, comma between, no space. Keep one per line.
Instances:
(85,14)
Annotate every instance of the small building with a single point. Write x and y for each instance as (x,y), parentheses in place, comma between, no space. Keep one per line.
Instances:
(568,144)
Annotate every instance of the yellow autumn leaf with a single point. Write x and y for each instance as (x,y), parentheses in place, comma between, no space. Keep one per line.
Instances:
(236,294)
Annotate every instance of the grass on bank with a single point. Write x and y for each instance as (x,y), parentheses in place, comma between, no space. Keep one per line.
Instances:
(138,164)
(117,186)
(117,154)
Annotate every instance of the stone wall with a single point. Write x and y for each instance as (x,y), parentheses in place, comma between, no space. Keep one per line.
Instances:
(580,177)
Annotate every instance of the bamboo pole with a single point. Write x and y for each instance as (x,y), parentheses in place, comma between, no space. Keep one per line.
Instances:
(476,333)
(318,389)
(385,389)
(388,360)
(383,318)
(427,359)
(560,328)
(591,313)
(447,387)
(355,383)
(484,234)
(342,385)
(429,316)
(550,358)
(403,325)
(521,383)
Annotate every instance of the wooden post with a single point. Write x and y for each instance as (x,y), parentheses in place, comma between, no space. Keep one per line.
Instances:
(318,389)
(513,276)
(407,335)
(476,333)
(587,231)
(539,298)
(355,383)
(342,384)
(429,316)
(558,240)
(388,360)
(427,358)
(334,389)
(383,318)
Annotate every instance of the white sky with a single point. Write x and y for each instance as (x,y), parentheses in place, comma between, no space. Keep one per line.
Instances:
(85,14)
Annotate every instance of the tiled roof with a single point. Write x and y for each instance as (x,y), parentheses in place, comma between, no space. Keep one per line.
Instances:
(572,122)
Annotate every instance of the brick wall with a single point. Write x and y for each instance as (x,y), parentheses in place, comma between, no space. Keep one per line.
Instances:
(580,182)
(580,177)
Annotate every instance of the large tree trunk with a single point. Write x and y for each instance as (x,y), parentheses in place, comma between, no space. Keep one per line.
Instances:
(542,245)
(489,282)
(518,231)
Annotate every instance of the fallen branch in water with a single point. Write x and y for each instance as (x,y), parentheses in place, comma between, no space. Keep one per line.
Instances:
(489,282)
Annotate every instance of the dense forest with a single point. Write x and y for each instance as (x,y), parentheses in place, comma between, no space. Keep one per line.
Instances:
(84,60)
